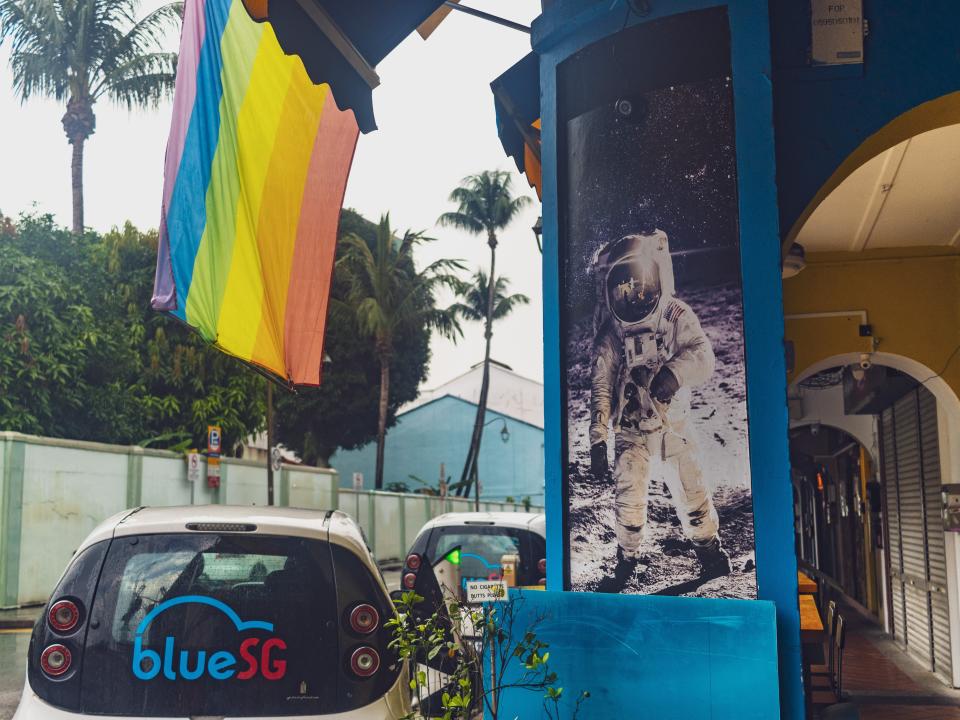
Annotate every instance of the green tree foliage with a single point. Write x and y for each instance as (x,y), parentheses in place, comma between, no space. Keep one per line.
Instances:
(80,51)
(388,297)
(83,356)
(342,412)
(485,206)
(475,295)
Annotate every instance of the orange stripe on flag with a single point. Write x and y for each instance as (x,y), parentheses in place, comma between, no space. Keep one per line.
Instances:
(312,273)
(283,201)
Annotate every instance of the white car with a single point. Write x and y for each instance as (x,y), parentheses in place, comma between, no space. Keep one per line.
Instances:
(508,546)
(219,612)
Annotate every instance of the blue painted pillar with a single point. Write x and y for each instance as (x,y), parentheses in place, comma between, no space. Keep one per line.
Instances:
(565,28)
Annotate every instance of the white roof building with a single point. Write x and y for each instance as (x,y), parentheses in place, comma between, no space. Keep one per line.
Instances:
(510,394)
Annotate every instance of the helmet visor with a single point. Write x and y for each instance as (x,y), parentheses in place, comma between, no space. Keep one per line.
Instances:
(633,289)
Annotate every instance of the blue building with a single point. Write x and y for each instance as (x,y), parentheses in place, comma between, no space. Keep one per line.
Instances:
(434,431)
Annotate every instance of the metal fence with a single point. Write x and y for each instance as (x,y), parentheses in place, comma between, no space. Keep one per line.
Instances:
(54,492)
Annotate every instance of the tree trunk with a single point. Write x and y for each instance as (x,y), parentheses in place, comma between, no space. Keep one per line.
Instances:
(77,184)
(382,421)
(79,123)
(471,468)
(270,441)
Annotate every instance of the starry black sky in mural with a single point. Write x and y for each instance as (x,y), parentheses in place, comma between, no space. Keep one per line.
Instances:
(682,182)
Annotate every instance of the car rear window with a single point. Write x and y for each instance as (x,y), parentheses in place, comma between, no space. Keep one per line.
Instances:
(489,552)
(208,624)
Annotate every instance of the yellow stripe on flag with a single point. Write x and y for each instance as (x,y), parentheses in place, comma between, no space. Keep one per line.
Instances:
(258,123)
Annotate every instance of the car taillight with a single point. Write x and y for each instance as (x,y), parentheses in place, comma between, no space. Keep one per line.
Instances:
(364,662)
(542,566)
(364,619)
(409,580)
(55,660)
(413,561)
(63,616)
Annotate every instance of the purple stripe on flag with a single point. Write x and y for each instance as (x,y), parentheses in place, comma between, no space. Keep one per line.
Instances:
(191,42)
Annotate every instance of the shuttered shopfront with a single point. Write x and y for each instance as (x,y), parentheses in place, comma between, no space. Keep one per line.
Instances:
(910,468)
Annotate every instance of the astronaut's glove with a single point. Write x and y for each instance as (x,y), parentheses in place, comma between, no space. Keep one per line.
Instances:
(598,460)
(664,385)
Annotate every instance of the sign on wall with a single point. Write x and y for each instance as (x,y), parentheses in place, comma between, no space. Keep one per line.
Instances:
(836,32)
(658,494)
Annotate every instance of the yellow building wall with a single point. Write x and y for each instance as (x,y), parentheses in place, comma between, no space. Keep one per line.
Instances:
(912,299)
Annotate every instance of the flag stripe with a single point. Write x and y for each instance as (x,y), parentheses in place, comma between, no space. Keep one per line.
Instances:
(224,199)
(257,161)
(289,165)
(191,43)
(312,272)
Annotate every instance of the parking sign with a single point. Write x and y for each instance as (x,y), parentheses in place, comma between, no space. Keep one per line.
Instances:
(214,439)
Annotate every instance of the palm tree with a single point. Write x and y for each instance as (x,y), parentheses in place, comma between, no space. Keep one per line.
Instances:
(485,205)
(475,298)
(83,50)
(387,296)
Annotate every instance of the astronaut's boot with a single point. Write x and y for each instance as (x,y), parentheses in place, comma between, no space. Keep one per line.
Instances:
(627,564)
(714,561)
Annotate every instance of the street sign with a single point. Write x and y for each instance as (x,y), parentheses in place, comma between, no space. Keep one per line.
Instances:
(214,439)
(213,472)
(481,591)
(194,472)
(358,481)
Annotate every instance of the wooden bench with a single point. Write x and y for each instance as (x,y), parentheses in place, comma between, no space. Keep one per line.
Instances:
(805,584)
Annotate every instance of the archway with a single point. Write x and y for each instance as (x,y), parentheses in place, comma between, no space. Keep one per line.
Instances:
(939,113)
(888,469)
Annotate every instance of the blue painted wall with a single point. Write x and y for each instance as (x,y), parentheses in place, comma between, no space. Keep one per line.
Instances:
(439,432)
(648,657)
(912,55)
(564,28)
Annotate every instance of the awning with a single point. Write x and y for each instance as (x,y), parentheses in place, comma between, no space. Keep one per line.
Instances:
(341,41)
(516,98)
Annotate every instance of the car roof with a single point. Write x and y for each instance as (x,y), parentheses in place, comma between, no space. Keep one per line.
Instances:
(331,525)
(535,522)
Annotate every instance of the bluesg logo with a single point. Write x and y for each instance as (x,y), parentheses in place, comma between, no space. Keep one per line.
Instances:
(256,657)
(496,571)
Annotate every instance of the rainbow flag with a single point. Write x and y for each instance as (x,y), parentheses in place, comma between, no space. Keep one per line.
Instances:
(256,167)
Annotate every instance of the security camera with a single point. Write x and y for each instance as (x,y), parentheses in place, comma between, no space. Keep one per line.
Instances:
(865,362)
(624,107)
(815,429)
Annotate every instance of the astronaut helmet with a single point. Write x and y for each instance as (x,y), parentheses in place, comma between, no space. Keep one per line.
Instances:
(635,274)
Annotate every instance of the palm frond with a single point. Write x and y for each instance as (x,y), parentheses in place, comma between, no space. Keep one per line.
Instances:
(465,311)
(474,295)
(145,89)
(485,203)
(37,36)
(461,221)
(85,49)
(142,38)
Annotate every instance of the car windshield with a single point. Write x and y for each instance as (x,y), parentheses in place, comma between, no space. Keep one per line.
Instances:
(487,552)
(207,624)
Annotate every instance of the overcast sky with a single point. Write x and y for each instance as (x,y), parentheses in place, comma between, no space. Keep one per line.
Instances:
(435,113)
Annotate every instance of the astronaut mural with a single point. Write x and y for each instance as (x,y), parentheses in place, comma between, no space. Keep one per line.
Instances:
(658,493)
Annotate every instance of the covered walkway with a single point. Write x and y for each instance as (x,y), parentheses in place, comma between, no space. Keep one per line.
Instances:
(883,681)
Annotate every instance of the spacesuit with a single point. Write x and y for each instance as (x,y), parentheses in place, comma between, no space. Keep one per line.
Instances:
(649,351)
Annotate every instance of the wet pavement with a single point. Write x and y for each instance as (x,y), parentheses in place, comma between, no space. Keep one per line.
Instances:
(13,668)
